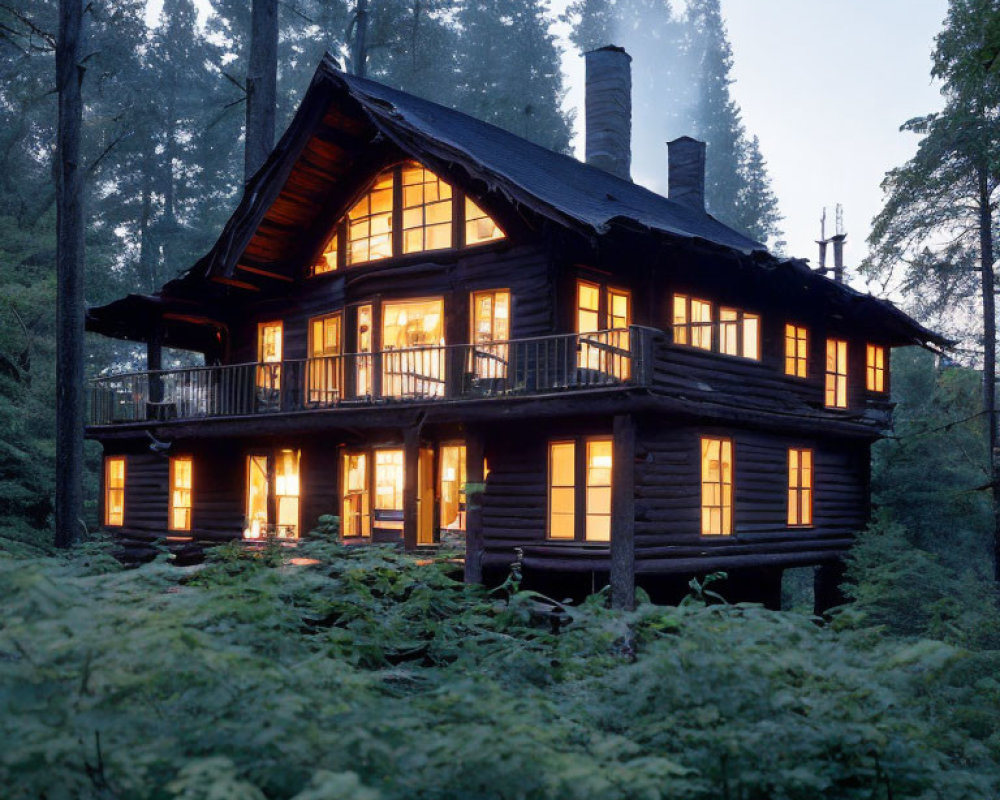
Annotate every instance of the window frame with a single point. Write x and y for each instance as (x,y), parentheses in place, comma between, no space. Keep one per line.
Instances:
(687,326)
(740,323)
(324,386)
(793,358)
(108,488)
(723,486)
(801,494)
(835,380)
(581,516)
(877,373)
(172,506)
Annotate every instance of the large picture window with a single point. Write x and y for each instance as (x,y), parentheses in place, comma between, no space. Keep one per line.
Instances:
(413,341)
(114,491)
(569,479)
(716,486)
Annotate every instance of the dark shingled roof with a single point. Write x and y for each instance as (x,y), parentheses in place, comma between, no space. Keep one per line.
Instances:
(569,188)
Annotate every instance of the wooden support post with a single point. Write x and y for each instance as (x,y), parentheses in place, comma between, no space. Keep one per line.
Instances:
(411,467)
(623,514)
(473,508)
(154,363)
(826,587)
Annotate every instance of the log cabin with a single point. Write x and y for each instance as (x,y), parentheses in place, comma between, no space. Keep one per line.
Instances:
(442,333)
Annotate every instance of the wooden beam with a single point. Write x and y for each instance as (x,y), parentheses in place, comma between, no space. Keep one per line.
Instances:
(266,273)
(622,575)
(473,507)
(411,466)
(236,284)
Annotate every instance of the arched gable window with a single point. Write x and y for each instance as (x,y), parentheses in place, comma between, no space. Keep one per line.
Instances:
(408,209)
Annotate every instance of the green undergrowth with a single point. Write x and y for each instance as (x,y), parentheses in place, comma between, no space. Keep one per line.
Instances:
(368,674)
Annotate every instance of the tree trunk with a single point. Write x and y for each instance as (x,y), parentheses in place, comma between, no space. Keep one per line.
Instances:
(69,275)
(990,351)
(262,85)
(359,54)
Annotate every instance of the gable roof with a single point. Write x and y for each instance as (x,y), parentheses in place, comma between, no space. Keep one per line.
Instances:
(343,117)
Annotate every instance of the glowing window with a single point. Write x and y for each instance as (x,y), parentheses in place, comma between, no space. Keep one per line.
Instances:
(598,503)
(323,373)
(363,360)
(114,491)
(562,490)
(692,322)
(739,333)
(451,487)
(181,475)
(327,261)
(389,488)
(257,491)
(356,506)
(800,486)
(796,350)
(269,343)
(836,373)
(479,226)
(286,494)
(426,210)
(413,341)
(875,368)
(490,332)
(716,486)
(369,223)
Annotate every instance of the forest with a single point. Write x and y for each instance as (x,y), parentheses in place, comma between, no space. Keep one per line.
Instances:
(350,673)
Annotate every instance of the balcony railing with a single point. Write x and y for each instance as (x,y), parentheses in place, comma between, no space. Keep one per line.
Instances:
(487,369)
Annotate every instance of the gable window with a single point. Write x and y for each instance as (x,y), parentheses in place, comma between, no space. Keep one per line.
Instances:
(739,333)
(875,368)
(716,486)
(479,226)
(692,322)
(269,336)
(114,491)
(568,479)
(426,210)
(796,350)
(369,222)
(327,261)
(836,373)
(490,332)
(800,486)
(181,475)
(324,367)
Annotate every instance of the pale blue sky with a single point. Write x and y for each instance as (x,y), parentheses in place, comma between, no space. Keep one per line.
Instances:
(825,84)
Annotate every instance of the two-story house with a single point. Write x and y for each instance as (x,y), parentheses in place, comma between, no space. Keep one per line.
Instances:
(435,329)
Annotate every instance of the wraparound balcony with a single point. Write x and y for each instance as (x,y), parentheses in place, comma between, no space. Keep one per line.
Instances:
(511,368)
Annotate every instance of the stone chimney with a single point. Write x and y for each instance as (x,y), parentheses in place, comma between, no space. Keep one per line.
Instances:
(609,110)
(686,172)
(838,256)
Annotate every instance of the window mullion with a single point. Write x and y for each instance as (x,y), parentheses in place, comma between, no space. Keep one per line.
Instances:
(580,490)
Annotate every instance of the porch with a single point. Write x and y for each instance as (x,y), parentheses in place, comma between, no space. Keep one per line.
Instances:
(497,369)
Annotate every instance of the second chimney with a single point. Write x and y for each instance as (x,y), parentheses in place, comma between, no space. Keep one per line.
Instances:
(686,172)
(609,110)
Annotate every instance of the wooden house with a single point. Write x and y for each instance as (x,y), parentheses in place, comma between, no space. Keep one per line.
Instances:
(438,331)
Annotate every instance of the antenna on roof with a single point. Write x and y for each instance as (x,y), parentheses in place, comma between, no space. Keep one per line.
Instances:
(822,242)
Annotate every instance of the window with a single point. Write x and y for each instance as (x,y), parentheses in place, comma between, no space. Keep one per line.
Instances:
(479,227)
(875,368)
(716,486)
(451,489)
(363,360)
(490,332)
(692,322)
(389,489)
(257,489)
(836,373)
(286,493)
(415,329)
(796,350)
(739,333)
(604,309)
(181,469)
(562,490)
(426,210)
(369,222)
(280,487)
(269,335)
(327,261)
(800,486)
(324,366)
(595,483)
(114,491)
(356,512)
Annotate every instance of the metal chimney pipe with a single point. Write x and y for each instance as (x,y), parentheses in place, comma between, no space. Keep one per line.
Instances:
(838,256)
(686,172)
(609,110)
